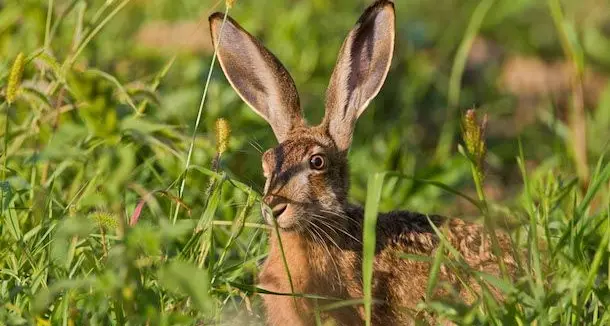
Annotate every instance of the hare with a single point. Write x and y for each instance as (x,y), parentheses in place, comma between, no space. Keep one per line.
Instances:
(306,186)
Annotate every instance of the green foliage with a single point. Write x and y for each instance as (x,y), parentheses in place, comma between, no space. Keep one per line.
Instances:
(98,136)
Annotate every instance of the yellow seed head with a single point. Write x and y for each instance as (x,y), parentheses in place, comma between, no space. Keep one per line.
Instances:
(230,3)
(14,79)
(223,132)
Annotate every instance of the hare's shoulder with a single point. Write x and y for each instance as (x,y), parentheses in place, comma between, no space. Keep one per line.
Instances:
(413,233)
(408,231)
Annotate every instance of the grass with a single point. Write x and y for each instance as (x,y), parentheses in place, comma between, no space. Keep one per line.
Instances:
(120,207)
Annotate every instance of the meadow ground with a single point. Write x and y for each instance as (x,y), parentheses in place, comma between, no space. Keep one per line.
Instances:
(125,202)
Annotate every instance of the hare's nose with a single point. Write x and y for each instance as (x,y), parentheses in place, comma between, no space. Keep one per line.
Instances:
(269,200)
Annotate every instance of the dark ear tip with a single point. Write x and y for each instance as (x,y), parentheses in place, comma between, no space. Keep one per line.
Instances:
(217,16)
(376,8)
(216,19)
(381,5)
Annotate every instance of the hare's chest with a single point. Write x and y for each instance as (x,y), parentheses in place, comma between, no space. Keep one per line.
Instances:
(306,269)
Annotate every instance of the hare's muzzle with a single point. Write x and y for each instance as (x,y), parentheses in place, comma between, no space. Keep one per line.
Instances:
(275,210)
(278,209)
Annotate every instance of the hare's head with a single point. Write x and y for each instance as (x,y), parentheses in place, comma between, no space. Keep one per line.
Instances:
(307,174)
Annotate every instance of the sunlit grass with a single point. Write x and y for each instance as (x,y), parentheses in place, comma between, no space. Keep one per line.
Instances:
(121,206)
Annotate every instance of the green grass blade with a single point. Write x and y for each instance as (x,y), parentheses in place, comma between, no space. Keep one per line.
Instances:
(599,179)
(96,30)
(594,269)
(116,83)
(371,210)
(276,229)
(435,270)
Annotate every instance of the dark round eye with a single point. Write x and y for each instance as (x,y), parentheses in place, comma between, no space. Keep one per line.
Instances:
(317,162)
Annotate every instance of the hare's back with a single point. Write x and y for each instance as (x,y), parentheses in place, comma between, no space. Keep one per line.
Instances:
(413,233)
(406,244)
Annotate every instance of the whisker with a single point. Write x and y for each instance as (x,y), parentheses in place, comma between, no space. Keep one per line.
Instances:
(331,257)
(256,145)
(327,235)
(310,232)
(335,228)
(342,215)
(321,219)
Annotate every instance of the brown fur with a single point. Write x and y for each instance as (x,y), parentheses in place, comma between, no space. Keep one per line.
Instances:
(320,231)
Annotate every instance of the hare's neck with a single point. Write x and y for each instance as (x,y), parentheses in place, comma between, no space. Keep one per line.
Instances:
(286,268)
(302,253)
(314,267)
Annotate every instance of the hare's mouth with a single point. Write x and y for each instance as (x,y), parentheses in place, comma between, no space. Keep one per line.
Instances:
(283,215)
(278,210)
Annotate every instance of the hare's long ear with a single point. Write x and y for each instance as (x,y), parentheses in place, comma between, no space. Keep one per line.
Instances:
(362,66)
(257,76)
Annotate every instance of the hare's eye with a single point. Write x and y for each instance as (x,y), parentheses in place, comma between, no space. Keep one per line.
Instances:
(317,162)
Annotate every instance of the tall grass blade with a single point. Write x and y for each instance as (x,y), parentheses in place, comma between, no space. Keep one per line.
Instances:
(594,271)
(371,208)
(435,270)
(278,234)
(95,31)
(198,120)
(457,70)
(577,118)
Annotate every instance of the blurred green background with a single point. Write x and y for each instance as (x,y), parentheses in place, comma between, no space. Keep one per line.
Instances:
(515,72)
(111,90)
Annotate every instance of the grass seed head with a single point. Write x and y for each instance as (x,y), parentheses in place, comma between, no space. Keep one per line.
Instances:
(105,220)
(14,80)
(223,132)
(474,136)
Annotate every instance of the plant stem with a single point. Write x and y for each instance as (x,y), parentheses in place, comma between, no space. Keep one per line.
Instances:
(198,120)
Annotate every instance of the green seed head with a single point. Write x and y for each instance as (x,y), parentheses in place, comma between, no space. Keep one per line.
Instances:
(105,220)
